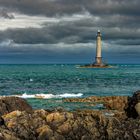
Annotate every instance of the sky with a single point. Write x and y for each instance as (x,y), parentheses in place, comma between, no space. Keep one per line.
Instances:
(64,31)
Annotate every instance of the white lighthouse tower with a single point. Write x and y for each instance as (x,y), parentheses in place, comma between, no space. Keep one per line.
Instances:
(98,58)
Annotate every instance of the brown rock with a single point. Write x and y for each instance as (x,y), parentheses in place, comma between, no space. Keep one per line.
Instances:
(2,121)
(137,108)
(9,104)
(80,124)
(110,102)
(132,109)
(116,103)
(44,132)
(56,117)
(64,128)
(7,135)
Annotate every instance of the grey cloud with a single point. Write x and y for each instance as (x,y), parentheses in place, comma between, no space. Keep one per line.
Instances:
(61,7)
(70,33)
(27,36)
(127,42)
(79,52)
(125,7)
(49,51)
(37,7)
(118,21)
(64,49)
(4,13)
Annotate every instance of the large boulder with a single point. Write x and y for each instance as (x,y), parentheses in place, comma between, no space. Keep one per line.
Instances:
(9,104)
(115,102)
(133,107)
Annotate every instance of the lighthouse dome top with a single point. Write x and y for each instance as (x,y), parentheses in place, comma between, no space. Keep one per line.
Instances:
(98,33)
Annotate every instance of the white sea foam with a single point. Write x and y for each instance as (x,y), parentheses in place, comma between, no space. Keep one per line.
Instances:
(49,96)
(67,95)
(31,80)
(25,96)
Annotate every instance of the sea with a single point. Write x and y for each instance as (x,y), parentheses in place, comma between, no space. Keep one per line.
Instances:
(45,86)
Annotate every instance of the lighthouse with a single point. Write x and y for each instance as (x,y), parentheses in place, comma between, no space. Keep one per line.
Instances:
(98,58)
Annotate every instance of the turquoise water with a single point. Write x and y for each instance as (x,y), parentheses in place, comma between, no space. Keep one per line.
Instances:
(62,81)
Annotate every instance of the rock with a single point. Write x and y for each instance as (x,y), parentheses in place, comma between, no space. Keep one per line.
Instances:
(9,104)
(7,135)
(12,114)
(136,134)
(132,109)
(127,129)
(75,125)
(84,124)
(116,103)
(1,121)
(137,108)
(56,117)
(110,102)
(44,132)
(20,123)
(86,137)
(65,128)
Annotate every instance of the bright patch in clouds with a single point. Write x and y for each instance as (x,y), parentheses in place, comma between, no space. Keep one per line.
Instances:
(22,21)
(26,21)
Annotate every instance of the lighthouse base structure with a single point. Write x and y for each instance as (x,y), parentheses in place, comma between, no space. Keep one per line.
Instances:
(98,61)
(98,64)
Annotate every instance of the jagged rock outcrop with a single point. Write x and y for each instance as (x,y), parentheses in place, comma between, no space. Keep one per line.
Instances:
(88,124)
(110,102)
(133,107)
(113,123)
(9,104)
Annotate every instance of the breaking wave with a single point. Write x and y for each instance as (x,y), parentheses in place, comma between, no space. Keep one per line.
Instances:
(49,96)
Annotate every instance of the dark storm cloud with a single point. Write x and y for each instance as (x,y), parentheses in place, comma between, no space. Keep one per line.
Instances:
(71,33)
(4,13)
(41,7)
(27,36)
(53,7)
(118,21)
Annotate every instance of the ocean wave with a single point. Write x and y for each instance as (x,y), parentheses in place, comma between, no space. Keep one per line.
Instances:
(49,96)
(67,95)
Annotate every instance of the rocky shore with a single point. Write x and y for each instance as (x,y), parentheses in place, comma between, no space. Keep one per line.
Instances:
(120,120)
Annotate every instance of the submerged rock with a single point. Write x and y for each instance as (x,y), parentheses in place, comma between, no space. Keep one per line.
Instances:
(110,102)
